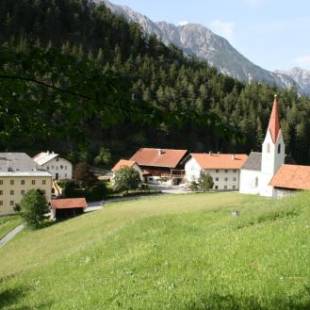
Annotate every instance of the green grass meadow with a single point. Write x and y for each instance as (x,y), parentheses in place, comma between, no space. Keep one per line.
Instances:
(8,223)
(166,252)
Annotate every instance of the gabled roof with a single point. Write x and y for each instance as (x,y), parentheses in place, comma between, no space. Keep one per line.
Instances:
(220,161)
(20,162)
(44,157)
(292,177)
(164,158)
(254,162)
(123,163)
(274,126)
(72,203)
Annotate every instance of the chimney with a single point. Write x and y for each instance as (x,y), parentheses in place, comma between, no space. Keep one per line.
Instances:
(210,153)
(233,157)
(161,152)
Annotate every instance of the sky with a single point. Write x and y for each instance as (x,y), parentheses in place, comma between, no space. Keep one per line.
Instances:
(274,34)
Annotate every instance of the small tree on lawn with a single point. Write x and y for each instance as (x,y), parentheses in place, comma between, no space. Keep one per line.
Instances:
(205,182)
(34,207)
(126,179)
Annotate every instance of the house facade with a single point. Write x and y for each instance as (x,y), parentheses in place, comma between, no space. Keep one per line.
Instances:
(223,168)
(265,173)
(161,164)
(60,168)
(18,175)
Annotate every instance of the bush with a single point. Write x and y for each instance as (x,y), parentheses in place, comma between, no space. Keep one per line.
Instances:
(126,179)
(97,192)
(205,182)
(194,186)
(34,207)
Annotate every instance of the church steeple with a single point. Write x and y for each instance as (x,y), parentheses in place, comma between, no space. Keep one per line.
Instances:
(274,123)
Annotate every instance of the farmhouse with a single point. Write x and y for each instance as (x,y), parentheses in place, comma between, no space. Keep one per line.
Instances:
(63,208)
(265,173)
(60,168)
(123,163)
(223,168)
(18,175)
(160,164)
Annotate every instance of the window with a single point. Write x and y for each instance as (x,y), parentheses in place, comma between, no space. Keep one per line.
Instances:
(1,182)
(235,179)
(216,179)
(216,187)
(217,171)
(234,187)
(226,171)
(33,182)
(48,167)
(12,182)
(226,179)
(22,182)
(22,192)
(279,148)
(61,167)
(57,159)
(1,203)
(43,182)
(12,193)
(11,203)
(235,171)
(52,167)
(268,148)
(256,182)
(225,187)
(1,193)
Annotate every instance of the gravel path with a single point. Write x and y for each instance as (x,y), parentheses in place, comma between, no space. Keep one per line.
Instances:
(8,237)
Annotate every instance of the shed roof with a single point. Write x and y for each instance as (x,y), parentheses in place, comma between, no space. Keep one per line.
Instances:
(71,203)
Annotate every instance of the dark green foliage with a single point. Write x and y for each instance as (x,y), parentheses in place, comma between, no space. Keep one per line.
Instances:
(74,77)
(97,192)
(103,158)
(205,182)
(34,208)
(194,186)
(83,175)
(126,179)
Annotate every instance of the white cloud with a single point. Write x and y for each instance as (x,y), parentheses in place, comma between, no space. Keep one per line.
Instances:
(302,60)
(183,23)
(223,28)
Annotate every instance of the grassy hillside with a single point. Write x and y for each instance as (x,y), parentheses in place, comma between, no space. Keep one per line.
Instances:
(7,223)
(171,252)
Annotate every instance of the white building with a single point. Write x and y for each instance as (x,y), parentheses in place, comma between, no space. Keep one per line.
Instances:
(265,173)
(60,168)
(223,168)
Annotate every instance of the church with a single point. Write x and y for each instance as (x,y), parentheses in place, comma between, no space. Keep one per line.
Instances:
(266,173)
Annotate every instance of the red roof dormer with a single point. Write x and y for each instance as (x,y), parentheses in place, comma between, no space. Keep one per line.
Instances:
(274,123)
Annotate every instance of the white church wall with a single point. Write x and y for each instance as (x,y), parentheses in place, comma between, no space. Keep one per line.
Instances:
(192,170)
(250,182)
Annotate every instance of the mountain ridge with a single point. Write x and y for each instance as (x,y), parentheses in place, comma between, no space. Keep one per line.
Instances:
(198,40)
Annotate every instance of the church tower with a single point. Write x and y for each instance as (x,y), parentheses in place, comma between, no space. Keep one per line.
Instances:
(273,151)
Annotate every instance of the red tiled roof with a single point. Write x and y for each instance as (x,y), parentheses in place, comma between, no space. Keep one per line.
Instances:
(165,158)
(72,203)
(274,123)
(220,161)
(292,177)
(122,164)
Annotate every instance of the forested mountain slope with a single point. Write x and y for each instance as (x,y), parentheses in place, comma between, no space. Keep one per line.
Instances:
(74,77)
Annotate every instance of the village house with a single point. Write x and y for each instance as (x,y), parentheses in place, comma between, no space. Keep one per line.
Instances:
(161,164)
(60,168)
(223,168)
(18,175)
(123,163)
(265,173)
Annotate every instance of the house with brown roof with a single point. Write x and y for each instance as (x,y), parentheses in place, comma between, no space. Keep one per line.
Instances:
(158,164)
(223,168)
(123,163)
(64,208)
(265,173)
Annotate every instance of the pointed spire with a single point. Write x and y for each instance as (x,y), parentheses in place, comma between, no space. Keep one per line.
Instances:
(274,123)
